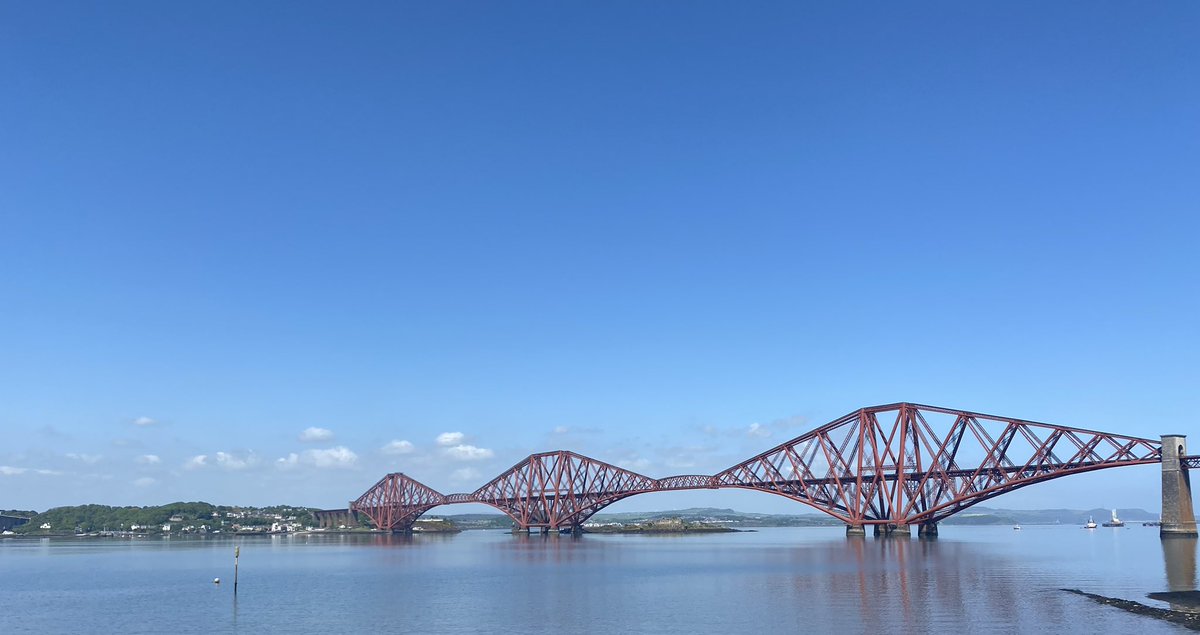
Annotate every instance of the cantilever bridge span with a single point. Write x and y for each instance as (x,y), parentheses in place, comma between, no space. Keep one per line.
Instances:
(890,466)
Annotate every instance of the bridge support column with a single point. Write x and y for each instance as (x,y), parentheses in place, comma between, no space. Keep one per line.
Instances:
(1178,517)
(856,531)
(517,529)
(893,530)
(927,530)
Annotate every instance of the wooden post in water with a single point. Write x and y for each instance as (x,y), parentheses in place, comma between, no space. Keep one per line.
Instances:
(237,551)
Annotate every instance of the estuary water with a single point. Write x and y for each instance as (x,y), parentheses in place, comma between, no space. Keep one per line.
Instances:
(776,580)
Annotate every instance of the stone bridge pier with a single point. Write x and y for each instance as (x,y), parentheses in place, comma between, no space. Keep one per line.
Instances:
(334,518)
(1178,517)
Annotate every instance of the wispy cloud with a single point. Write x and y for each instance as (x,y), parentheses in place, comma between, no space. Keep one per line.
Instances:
(196,462)
(447,439)
(787,427)
(398,446)
(468,453)
(758,430)
(453,447)
(464,474)
(229,461)
(148,459)
(8,470)
(314,434)
(635,463)
(145,481)
(339,456)
(90,459)
(335,457)
(144,421)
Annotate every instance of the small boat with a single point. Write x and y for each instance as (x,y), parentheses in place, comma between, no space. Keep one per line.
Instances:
(1017,527)
(1091,524)
(1115,522)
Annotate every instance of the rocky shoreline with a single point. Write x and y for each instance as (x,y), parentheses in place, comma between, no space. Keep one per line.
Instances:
(1188,620)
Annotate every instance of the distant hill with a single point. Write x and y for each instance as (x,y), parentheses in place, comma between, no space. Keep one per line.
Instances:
(972,516)
(980,515)
(153,519)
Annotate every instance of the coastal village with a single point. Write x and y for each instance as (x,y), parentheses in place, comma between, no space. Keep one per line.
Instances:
(166,520)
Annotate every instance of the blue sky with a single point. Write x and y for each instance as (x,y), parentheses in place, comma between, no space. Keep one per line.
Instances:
(634,230)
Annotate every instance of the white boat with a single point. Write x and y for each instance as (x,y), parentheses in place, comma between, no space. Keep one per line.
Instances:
(1115,522)
(1017,527)
(1091,524)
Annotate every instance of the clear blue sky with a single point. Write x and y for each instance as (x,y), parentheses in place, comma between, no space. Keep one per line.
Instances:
(631,229)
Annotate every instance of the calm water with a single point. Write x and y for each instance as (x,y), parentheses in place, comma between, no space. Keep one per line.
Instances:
(970,580)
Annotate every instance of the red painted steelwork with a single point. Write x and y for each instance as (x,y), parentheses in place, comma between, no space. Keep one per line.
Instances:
(395,502)
(560,489)
(870,467)
(898,464)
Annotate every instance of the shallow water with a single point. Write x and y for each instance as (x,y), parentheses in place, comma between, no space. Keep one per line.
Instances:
(971,579)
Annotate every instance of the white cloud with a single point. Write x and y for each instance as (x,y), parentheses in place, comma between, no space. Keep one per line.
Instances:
(198,461)
(398,446)
(679,462)
(447,439)
(464,474)
(90,459)
(561,429)
(313,434)
(144,421)
(339,456)
(758,430)
(469,453)
(148,459)
(145,481)
(336,457)
(8,470)
(635,464)
(234,462)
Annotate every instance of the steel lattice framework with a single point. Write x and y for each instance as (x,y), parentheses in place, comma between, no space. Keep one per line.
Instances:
(899,464)
(560,489)
(396,501)
(888,465)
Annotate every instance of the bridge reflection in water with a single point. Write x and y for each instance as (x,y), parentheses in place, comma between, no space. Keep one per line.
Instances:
(1179,560)
(888,467)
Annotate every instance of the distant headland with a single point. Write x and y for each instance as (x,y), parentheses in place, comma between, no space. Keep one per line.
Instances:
(206,519)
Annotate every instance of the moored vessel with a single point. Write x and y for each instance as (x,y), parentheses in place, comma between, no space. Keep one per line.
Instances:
(1115,522)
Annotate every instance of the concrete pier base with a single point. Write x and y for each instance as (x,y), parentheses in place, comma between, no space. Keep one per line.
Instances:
(856,531)
(893,530)
(1178,517)
(927,530)
(517,529)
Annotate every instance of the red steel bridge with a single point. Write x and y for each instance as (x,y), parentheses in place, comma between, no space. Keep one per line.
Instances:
(889,467)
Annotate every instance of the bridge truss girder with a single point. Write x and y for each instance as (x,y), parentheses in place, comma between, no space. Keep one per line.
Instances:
(888,465)
(880,465)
